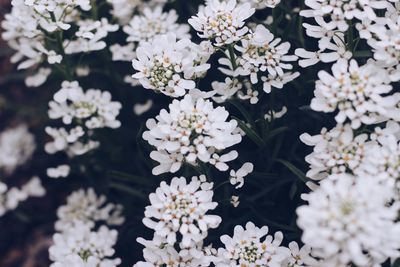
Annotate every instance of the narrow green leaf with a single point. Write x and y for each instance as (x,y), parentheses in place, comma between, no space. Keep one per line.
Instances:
(294,170)
(250,133)
(276,132)
(243,111)
(126,177)
(128,190)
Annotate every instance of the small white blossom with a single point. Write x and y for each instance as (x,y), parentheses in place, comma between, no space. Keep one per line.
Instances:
(80,246)
(358,92)
(252,246)
(222,21)
(144,28)
(350,220)
(89,208)
(191,131)
(16,148)
(182,207)
(169,66)
(237,177)
(262,54)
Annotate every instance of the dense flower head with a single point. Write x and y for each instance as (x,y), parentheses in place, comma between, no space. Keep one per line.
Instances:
(16,148)
(262,53)
(335,151)
(144,28)
(338,12)
(166,255)
(382,160)
(250,247)
(350,220)
(193,129)
(169,66)
(92,107)
(123,10)
(222,21)
(89,208)
(359,93)
(80,246)
(181,207)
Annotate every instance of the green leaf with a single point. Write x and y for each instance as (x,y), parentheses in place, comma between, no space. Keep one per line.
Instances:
(126,177)
(294,170)
(250,133)
(243,111)
(276,132)
(128,190)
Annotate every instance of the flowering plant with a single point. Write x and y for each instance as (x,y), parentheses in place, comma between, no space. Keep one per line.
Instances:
(221,133)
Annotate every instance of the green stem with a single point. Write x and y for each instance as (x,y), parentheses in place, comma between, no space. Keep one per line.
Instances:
(232,56)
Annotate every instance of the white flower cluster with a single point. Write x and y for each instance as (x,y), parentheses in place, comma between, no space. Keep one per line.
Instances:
(178,215)
(222,22)
(360,93)
(89,36)
(16,148)
(124,9)
(144,28)
(79,242)
(340,151)
(86,206)
(83,113)
(262,53)
(193,131)
(11,197)
(357,168)
(169,66)
(261,4)
(343,218)
(252,246)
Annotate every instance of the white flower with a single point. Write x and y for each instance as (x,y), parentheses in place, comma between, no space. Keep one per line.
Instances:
(182,207)
(169,66)
(124,9)
(154,22)
(16,148)
(11,197)
(123,53)
(93,107)
(335,151)
(350,220)
(79,246)
(222,21)
(140,109)
(90,36)
(300,257)
(251,246)
(262,54)
(38,78)
(272,115)
(226,90)
(68,141)
(59,171)
(192,131)
(166,255)
(359,93)
(235,201)
(237,177)
(338,12)
(89,208)
(260,4)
